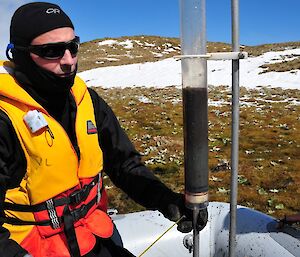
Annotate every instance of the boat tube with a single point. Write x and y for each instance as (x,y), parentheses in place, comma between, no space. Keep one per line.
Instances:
(256,235)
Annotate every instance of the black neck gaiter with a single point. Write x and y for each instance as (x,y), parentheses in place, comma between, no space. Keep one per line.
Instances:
(45,87)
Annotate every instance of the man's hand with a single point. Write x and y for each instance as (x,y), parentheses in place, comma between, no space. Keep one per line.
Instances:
(288,220)
(175,208)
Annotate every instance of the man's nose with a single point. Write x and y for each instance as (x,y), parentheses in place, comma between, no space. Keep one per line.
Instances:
(67,59)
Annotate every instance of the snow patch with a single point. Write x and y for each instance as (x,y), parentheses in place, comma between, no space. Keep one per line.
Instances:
(127,44)
(167,72)
(107,42)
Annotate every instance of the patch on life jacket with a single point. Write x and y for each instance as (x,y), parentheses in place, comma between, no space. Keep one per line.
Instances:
(91,128)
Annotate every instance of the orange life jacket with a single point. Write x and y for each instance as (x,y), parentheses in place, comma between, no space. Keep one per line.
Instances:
(60,204)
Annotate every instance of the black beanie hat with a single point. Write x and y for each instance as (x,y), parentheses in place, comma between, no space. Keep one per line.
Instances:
(33,19)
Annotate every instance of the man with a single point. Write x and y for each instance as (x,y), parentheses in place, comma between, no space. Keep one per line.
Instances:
(57,137)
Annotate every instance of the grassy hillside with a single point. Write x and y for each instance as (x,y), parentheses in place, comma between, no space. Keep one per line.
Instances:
(138,49)
(269,156)
(269,143)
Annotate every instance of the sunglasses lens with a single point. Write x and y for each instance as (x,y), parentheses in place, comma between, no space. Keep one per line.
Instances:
(73,47)
(53,51)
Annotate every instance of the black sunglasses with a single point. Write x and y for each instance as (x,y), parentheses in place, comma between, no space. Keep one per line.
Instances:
(53,51)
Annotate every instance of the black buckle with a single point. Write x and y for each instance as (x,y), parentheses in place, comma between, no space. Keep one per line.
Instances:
(80,212)
(75,197)
(80,195)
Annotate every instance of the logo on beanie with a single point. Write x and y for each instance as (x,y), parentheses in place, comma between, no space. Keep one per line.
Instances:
(52,10)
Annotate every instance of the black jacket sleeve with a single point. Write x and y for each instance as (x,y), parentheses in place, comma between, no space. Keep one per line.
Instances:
(122,163)
(12,170)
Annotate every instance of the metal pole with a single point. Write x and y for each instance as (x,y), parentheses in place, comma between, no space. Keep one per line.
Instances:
(235,128)
(196,236)
(195,109)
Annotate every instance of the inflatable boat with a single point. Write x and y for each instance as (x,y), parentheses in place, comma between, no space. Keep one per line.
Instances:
(148,233)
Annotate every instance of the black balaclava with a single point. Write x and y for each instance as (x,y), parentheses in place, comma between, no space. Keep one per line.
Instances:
(28,22)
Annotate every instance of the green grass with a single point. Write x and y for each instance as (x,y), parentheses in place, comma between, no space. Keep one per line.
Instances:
(269,152)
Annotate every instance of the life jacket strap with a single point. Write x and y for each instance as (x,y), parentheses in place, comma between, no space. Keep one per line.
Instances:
(15,221)
(75,198)
(69,218)
(77,214)
(82,211)
(70,233)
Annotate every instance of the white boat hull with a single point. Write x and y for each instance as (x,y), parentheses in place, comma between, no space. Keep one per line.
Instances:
(257,234)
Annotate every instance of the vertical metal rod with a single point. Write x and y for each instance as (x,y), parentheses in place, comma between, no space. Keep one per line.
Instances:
(235,128)
(196,236)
